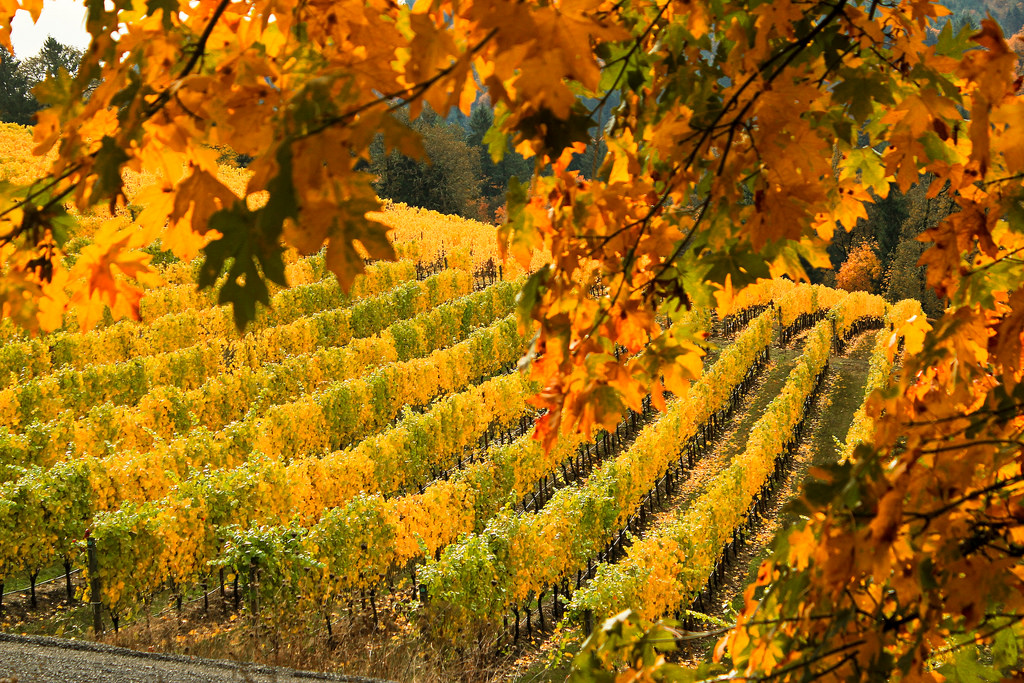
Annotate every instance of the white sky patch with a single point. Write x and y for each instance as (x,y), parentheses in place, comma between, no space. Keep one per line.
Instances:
(62,19)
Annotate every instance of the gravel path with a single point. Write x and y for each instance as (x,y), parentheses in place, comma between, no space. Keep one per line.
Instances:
(39,659)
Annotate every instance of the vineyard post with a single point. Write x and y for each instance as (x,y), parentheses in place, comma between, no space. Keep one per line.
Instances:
(94,587)
(67,579)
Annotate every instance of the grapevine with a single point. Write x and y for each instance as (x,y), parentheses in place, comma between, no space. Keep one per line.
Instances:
(166,410)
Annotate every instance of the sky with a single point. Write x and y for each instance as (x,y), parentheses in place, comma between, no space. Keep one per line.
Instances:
(62,19)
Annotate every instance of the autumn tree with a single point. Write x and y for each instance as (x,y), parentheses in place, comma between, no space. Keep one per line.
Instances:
(746,135)
(885,218)
(862,270)
(448,179)
(904,276)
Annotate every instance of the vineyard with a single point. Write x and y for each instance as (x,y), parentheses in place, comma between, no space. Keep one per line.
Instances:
(486,341)
(366,458)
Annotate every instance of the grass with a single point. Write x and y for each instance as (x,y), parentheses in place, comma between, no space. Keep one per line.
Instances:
(21,582)
(771,382)
(842,396)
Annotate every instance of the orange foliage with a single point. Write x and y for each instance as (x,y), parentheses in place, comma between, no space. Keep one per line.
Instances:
(862,270)
(745,135)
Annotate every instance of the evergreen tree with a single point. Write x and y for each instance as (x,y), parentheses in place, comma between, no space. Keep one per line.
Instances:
(53,58)
(17,105)
(447,180)
(590,160)
(495,174)
(18,78)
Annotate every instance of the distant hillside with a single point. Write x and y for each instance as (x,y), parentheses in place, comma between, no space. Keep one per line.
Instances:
(1009,13)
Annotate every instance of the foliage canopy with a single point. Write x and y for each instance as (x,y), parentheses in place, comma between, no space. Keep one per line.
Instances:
(746,135)
(861,270)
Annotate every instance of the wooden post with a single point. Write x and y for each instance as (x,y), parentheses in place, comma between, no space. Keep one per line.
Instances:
(540,610)
(67,580)
(95,588)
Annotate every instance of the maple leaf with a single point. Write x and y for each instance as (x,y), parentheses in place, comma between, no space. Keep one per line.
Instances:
(1009,341)
(107,269)
(198,197)
(740,138)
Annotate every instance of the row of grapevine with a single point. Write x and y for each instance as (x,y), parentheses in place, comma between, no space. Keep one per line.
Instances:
(758,294)
(667,568)
(78,390)
(802,307)
(733,316)
(861,311)
(50,507)
(515,556)
(183,294)
(126,340)
(177,295)
(881,365)
(366,533)
(356,543)
(178,298)
(167,411)
(174,538)
(425,235)
(419,235)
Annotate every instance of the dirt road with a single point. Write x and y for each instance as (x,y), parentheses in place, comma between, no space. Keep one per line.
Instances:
(37,659)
